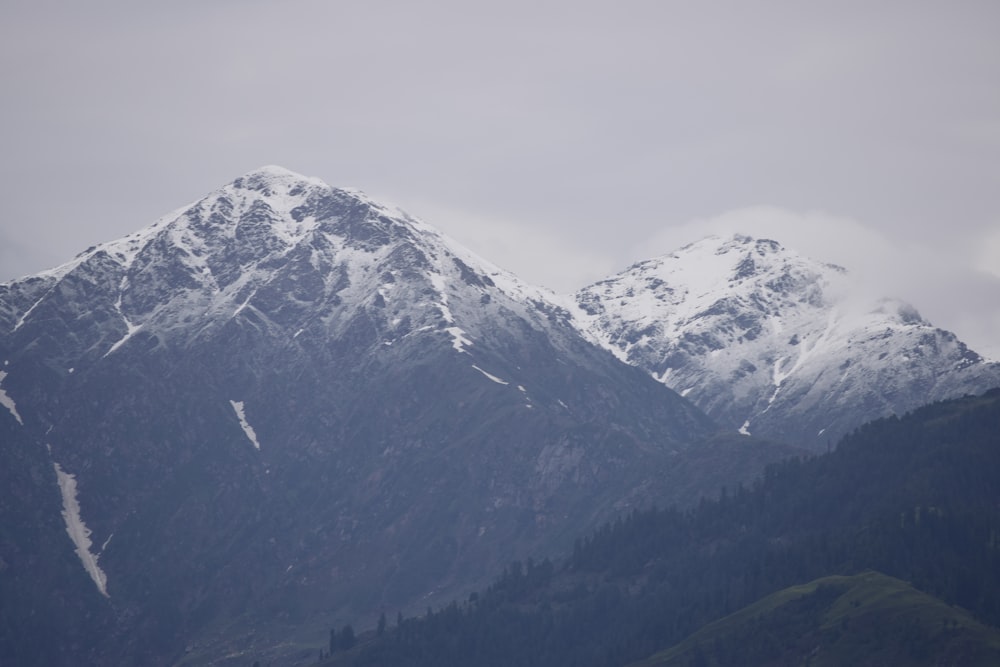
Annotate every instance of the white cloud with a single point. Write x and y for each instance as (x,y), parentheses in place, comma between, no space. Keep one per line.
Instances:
(534,253)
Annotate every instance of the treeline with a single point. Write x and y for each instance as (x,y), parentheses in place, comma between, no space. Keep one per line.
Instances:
(916,497)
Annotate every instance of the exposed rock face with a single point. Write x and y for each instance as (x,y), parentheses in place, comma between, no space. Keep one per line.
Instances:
(770,342)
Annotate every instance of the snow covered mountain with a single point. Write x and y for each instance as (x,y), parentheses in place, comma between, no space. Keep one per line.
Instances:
(287,403)
(772,343)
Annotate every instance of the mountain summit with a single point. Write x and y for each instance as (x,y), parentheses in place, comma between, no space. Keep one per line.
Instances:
(271,243)
(772,343)
(289,403)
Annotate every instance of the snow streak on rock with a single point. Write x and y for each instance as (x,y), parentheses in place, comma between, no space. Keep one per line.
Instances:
(7,401)
(494,378)
(458,338)
(241,415)
(77,529)
(130,328)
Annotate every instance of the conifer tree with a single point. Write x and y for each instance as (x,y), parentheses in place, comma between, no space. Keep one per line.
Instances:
(347,638)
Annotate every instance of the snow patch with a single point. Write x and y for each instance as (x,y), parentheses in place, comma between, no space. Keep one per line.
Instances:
(659,377)
(494,378)
(28,312)
(247,429)
(440,285)
(246,302)
(131,328)
(77,529)
(745,429)
(458,338)
(777,377)
(7,401)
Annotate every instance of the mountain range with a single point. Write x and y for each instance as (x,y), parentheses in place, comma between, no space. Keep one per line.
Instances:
(286,405)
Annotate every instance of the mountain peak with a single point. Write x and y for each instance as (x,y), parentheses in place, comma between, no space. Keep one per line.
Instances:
(275,170)
(273,179)
(289,250)
(737,242)
(760,336)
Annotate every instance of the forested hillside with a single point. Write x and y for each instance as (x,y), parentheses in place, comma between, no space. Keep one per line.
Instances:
(916,498)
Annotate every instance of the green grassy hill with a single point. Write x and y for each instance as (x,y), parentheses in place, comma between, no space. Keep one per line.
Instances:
(865,619)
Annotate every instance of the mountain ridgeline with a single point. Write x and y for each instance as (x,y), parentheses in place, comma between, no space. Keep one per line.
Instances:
(807,566)
(287,406)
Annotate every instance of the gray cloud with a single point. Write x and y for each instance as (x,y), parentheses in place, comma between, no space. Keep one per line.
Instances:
(553,137)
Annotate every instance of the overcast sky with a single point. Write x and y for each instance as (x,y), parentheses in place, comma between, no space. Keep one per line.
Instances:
(561,140)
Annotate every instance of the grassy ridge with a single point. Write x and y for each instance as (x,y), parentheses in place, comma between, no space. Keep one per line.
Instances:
(865,619)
